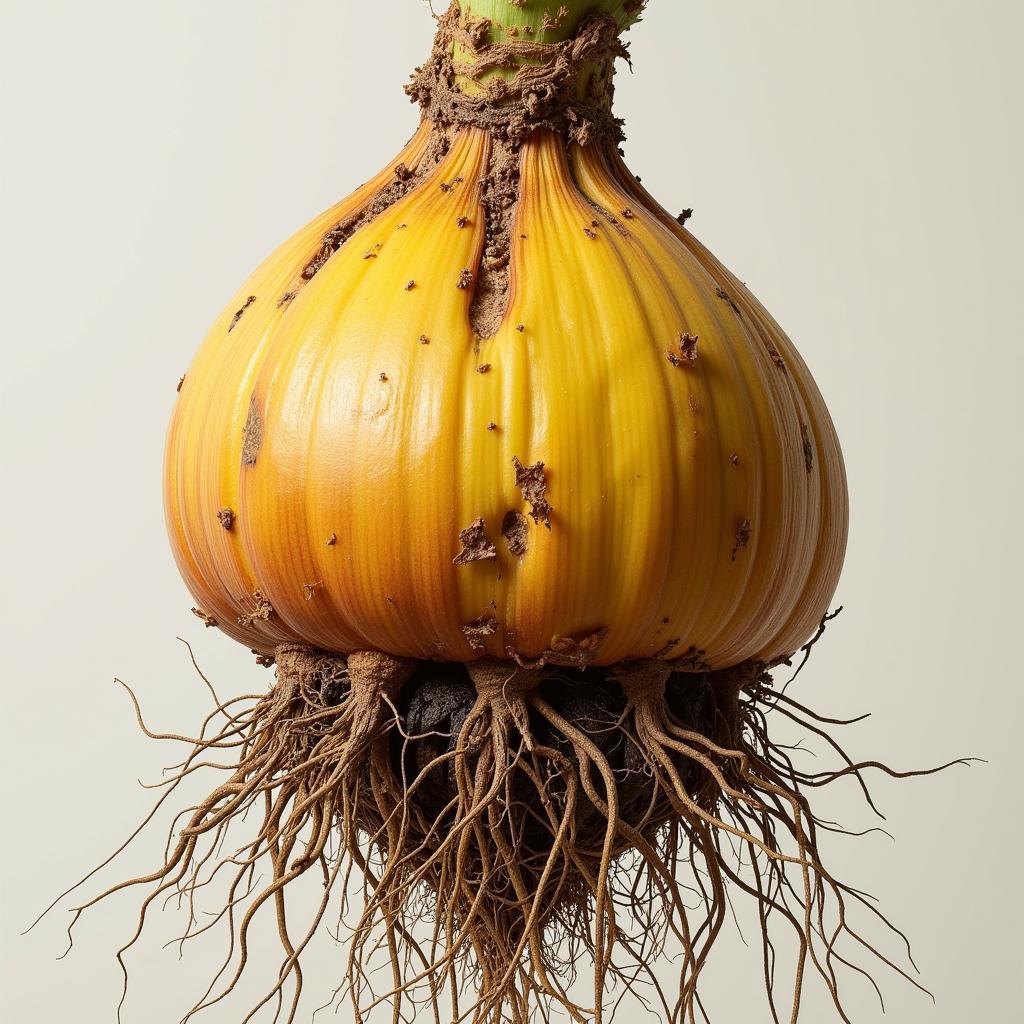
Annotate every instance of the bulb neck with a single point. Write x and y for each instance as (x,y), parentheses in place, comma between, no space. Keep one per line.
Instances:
(529,29)
(512,66)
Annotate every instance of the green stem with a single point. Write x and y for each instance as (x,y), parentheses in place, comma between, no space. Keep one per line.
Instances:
(545,21)
(541,21)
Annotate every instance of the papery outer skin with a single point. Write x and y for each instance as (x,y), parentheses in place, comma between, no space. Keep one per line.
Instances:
(381,441)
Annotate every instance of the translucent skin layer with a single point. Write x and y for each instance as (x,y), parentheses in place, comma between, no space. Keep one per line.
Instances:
(697,509)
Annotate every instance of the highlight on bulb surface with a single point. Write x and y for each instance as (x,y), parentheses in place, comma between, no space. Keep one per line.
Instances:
(524,495)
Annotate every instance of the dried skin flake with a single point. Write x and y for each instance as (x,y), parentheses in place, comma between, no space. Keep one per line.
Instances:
(475,545)
(207,620)
(477,631)
(743,535)
(686,353)
(532,484)
(514,529)
(238,315)
(252,433)
(805,435)
(263,610)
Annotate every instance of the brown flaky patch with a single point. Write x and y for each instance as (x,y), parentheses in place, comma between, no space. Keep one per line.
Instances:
(226,517)
(404,181)
(475,545)
(514,529)
(477,631)
(499,193)
(263,610)
(743,534)
(238,315)
(685,351)
(533,485)
(805,436)
(207,620)
(252,433)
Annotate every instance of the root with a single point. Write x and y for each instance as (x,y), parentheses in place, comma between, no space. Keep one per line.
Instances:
(507,824)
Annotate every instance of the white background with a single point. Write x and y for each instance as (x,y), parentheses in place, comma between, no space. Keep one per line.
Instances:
(858,164)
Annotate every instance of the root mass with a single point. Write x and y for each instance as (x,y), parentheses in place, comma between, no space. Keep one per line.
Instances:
(509,824)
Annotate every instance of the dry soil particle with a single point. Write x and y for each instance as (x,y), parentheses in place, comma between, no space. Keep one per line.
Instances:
(683,217)
(743,535)
(332,540)
(687,345)
(405,179)
(667,648)
(805,436)
(226,517)
(252,433)
(207,620)
(514,529)
(465,280)
(533,485)
(238,316)
(263,610)
(477,631)
(475,545)
(726,297)
(181,384)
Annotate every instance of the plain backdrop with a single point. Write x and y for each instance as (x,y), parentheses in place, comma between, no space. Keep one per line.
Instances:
(858,164)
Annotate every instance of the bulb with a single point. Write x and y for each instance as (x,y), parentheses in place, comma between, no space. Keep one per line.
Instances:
(499,403)
(524,494)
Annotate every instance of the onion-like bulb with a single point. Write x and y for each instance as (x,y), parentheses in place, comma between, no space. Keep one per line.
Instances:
(523,492)
(499,403)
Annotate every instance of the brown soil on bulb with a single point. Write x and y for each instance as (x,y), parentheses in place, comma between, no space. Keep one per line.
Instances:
(545,92)
(509,825)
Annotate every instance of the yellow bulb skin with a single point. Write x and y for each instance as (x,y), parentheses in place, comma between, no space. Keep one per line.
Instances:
(698,505)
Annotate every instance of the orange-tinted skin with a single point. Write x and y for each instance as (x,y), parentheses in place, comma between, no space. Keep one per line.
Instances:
(378,448)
